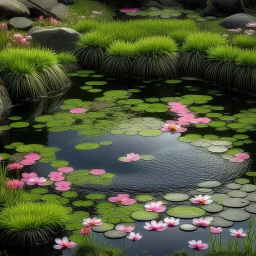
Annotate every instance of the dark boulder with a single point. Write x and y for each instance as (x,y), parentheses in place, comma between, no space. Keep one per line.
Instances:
(238,20)
(228,6)
(20,23)
(13,8)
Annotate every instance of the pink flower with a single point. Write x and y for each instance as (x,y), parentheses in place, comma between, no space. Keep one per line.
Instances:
(125,10)
(202,120)
(41,18)
(171,222)
(63,185)
(32,156)
(242,155)
(97,171)
(64,243)
(131,157)
(202,222)
(40,181)
(215,230)
(155,207)
(122,199)
(237,233)
(201,199)
(26,176)
(53,21)
(173,127)
(1,158)
(77,110)
(134,237)
(85,231)
(235,30)
(249,32)
(197,245)
(251,25)
(65,169)
(3,27)
(15,166)
(27,162)
(92,222)
(236,160)
(155,226)
(14,184)
(56,176)
(124,228)
(28,38)
(17,37)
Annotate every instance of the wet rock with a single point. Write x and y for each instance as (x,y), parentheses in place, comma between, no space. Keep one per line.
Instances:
(20,23)
(13,8)
(66,2)
(228,6)
(238,20)
(60,11)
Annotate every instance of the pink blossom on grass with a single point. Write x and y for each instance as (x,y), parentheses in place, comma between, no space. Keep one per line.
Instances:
(131,157)
(14,166)
(123,199)
(3,27)
(237,233)
(90,222)
(26,176)
(251,25)
(216,230)
(77,110)
(62,185)
(235,30)
(125,10)
(197,245)
(33,156)
(155,207)
(200,199)
(65,169)
(97,172)
(124,228)
(202,222)
(14,184)
(134,236)
(171,222)
(64,243)
(53,21)
(40,181)
(41,18)
(155,226)
(27,162)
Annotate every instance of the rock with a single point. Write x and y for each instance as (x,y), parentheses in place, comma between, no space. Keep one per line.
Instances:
(57,39)
(66,2)
(238,20)
(209,10)
(228,6)
(152,4)
(35,9)
(34,29)
(13,8)
(170,3)
(60,11)
(20,23)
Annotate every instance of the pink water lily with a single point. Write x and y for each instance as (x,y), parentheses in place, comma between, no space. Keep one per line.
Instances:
(65,169)
(125,10)
(173,127)
(134,236)
(131,157)
(26,176)
(202,120)
(14,184)
(155,207)
(64,243)
(40,181)
(171,222)
(202,222)
(27,162)
(237,233)
(236,160)
(124,228)
(97,171)
(242,155)
(123,199)
(1,158)
(63,185)
(85,231)
(77,110)
(33,156)
(155,226)
(200,199)
(216,230)
(197,245)
(90,222)
(14,166)
(56,176)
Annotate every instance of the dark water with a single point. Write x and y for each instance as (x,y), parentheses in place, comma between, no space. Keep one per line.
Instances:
(177,166)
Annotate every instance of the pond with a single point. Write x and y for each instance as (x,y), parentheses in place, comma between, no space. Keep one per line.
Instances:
(126,116)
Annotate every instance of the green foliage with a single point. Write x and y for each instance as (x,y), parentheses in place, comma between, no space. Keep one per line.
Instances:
(246,58)
(4,40)
(32,223)
(94,39)
(223,53)
(245,41)
(86,26)
(68,62)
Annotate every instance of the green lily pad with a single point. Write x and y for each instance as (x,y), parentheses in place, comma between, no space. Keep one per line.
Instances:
(218,149)
(251,208)
(95,196)
(147,157)
(176,197)
(242,181)
(103,228)
(106,143)
(19,124)
(144,215)
(235,202)
(173,81)
(209,184)
(87,146)
(220,222)
(186,212)
(59,163)
(81,203)
(70,194)
(212,208)
(235,215)
(5,128)
(144,198)
(39,191)
(233,186)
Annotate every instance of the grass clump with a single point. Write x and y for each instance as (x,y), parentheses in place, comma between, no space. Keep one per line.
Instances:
(118,59)
(192,60)
(68,62)
(32,223)
(86,26)
(155,58)
(245,41)
(220,65)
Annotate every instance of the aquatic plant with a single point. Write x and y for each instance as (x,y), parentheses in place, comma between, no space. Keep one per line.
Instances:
(91,49)
(192,59)
(200,199)
(68,62)
(244,41)
(197,245)
(32,223)
(171,222)
(245,72)
(134,236)
(123,199)
(155,207)
(220,65)
(155,58)
(155,226)
(64,243)
(118,60)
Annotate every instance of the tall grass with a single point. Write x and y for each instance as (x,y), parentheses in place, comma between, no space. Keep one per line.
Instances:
(68,62)
(245,41)
(32,223)
(86,26)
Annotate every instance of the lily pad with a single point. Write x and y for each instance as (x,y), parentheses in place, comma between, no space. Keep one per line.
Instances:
(219,198)
(218,149)
(242,181)
(144,215)
(103,228)
(212,208)
(114,234)
(186,212)
(235,202)
(251,197)
(150,133)
(176,197)
(95,196)
(70,194)
(147,157)
(237,194)
(220,222)
(248,188)
(209,184)
(188,227)
(59,163)
(19,124)
(144,198)
(235,215)
(87,146)
(106,143)
(251,208)
(233,186)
